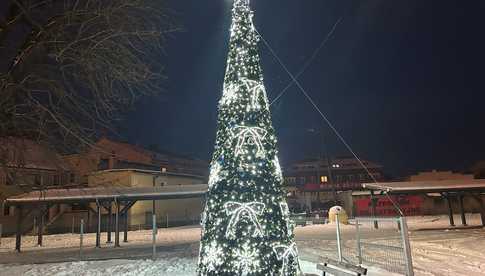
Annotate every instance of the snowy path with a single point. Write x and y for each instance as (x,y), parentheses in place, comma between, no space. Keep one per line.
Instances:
(435,252)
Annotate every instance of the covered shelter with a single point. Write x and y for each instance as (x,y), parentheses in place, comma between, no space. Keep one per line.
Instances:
(460,189)
(123,198)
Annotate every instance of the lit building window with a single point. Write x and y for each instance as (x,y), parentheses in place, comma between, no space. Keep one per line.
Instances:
(323,179)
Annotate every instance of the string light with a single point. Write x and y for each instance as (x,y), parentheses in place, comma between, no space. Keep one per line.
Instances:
(246,225)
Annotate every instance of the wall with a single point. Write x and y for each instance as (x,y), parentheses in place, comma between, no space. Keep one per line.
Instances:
(440,175)
(413,205)
(110,179)
(179,211)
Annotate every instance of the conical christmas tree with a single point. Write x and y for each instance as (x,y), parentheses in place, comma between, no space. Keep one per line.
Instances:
(246,224)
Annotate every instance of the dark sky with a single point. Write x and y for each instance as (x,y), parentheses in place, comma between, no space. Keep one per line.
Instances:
(403,81)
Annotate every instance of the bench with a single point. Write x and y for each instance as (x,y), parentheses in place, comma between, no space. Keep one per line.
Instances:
(340,268)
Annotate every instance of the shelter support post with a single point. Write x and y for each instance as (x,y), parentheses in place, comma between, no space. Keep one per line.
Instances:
(18,236)
(462,209)
(117,224)
(124,214)
(98,229)
(450,210)
(40,227)
(125,227)
(374,208)
(482,208)
(108,226)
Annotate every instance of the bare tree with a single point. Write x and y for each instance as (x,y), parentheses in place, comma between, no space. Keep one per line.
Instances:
(69,68)
(80,65)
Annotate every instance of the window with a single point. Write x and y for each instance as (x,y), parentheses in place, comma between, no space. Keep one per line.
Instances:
(323,179)
(9,181)
(56,181)
(72,178)
(37,180)
(6,211)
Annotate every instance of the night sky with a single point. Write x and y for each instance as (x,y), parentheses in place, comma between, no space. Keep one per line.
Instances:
(402,81)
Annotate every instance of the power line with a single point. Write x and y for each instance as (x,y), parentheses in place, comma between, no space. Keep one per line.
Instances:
(327,120)
(309,61)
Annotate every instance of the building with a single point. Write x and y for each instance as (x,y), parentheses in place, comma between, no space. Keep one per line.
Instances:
(110,154)
(110,163)
(478,169)
(416,204)
(26,166)
(311,183)
(170,212)
(107,163)
(439,175)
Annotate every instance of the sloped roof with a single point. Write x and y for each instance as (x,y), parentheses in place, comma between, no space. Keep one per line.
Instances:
(433,186)
(25,153)
(83,195)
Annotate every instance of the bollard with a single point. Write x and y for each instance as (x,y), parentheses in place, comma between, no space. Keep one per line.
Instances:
(154,235)
(72,229)
(339,244)
(81,232)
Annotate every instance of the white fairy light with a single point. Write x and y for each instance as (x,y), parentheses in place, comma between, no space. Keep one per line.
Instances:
(284,209)
(249,136)
(216,174)
(256,88)
(213,256)
(229,94)
(244,211)
(278,171)
(247,259)
(242,221)
(284,253)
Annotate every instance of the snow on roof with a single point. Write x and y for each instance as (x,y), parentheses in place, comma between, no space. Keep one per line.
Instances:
(428,186)
(148,172)
(28,154)
(108,193)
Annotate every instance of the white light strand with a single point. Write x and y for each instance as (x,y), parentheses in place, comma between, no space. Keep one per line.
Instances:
(249,136)
(278,171)
(213,256)
(249,211)
(284,253)
(256,89)
(216,174)
(247,259)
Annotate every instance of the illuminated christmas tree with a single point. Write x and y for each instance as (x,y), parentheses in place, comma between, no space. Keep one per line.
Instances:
(246,224)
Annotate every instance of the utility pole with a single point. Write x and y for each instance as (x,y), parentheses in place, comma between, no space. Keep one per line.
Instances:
(329,170)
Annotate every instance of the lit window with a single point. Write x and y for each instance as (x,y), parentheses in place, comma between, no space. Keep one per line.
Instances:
(323,179)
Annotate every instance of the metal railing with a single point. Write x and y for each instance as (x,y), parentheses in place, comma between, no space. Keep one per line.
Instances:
(379,242)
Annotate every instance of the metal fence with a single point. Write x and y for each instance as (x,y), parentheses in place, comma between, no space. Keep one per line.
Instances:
(379,242)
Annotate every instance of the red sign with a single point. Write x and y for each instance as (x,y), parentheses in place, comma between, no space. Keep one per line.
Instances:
(410,206)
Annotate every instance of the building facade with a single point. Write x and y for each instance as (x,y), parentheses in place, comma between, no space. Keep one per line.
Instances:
(112,163)
(414,204)
(110,154)
(316,184)
(25,166)
(108,163)
(172,212)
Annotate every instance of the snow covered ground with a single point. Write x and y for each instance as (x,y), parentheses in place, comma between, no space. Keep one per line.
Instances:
(171,266)
(435,252)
